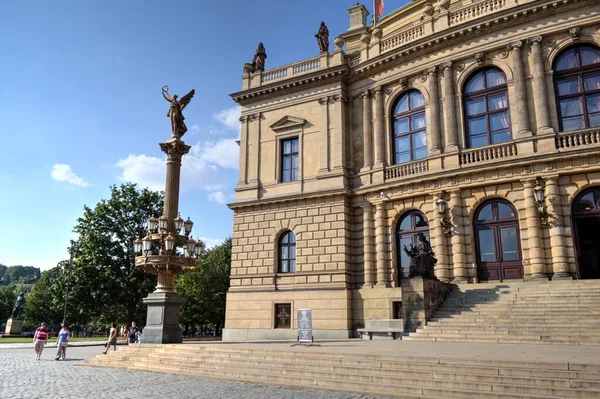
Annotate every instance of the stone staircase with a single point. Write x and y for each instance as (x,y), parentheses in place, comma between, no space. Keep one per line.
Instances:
(394,376)
(561,312)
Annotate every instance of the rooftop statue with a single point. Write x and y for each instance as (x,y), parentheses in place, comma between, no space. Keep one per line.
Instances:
(323,38)
(176,110)
(258,63)
(422,261)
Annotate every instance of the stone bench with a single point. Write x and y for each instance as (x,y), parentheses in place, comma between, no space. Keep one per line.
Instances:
(382,329)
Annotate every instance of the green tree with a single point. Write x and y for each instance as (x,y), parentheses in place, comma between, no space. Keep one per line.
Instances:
(19,274)
(105,284)
(45,301)
(8,296)
(205,288)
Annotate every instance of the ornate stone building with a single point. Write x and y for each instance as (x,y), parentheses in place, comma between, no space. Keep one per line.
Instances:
(476,123)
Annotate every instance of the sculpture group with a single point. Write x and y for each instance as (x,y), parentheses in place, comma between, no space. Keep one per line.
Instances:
(422,261)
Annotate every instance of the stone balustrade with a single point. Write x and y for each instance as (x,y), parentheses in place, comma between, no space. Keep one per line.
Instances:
(354,59)
(401,38)
(275,74)
(407,169)
(476,10)
(299,68)
(577,139)
(489,153)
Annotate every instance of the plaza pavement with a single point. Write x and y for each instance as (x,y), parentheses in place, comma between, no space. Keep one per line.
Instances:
(22,377)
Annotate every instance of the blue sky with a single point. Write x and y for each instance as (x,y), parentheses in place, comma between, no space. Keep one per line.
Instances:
(81,106)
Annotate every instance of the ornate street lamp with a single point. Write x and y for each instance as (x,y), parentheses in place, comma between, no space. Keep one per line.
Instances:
(164,251)
(442,207)
(539,193)
(72,254)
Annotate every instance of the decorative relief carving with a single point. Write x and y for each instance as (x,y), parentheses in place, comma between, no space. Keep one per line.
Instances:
(403,82)
(446,65)
(502,54)
(534,40)
(427,10)
(527,169)
(244,118)
(460,67)
(388,91)
(338,43)
(254,117)
(176,148)
(574,32)
(322,100)
(377,89)
(377,33)
(480,58)
(365,38)
(431,71)
(423,78)
(365,94)
(514,46)
(550,42)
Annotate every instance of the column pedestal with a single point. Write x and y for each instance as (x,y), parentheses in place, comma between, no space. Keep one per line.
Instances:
(420,298)
(162,320)
(14,326)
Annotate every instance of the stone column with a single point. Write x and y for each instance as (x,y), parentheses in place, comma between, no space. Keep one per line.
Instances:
(369,272)
(338,132)
(433,124)
(379,130)
(324,136)
(450,108)
(438,244)
(254,158)
(534,233)
(175,150)
(560,265)
(381,244)
(459,257)
(542,109)
(367,131)
(243,151)
(519,108)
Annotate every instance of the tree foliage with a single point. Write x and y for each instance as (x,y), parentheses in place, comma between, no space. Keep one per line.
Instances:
(8,296)
(19,274)
(45,301)
(205,288)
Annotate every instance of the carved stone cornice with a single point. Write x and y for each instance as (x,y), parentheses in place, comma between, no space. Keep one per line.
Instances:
(175,148)
(534,40)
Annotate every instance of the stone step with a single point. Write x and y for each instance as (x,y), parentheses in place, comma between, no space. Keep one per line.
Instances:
(507,340)
(502,332)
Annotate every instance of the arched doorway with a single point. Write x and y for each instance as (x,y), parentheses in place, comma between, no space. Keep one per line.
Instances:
(497,241)
(586,222)
(406,234)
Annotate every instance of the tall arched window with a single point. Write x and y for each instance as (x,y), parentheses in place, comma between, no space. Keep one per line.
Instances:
(408,227)
(577,85)
(409,130)
(287,253)
(487,117)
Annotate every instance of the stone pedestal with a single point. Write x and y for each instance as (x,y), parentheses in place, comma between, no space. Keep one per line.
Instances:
(14,326)
(421,296)
(162,320)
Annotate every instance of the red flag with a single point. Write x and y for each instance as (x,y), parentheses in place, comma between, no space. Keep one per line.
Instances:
(378,8)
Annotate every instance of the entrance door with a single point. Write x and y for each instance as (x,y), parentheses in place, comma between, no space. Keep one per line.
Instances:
(586,220)
(406,233)
(497,242)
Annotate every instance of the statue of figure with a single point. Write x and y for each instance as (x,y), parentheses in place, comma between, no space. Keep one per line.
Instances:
(259,59)
(175,110)
(323,38)
(18,309)
(422,259)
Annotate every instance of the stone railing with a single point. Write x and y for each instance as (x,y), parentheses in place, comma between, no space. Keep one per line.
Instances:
(407,169)
(306,66)
(354,59)
(490,153)
(578,139)
(275,74)
(473,11)
(406,36)
(291,70)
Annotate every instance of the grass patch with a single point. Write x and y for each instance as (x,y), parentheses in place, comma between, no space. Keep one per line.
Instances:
(50,340)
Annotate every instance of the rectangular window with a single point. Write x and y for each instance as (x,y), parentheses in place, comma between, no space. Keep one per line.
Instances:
(283,315)
(397,310)
(289,160)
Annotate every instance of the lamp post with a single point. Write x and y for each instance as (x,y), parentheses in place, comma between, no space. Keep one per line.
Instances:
(72,254)
(164,251)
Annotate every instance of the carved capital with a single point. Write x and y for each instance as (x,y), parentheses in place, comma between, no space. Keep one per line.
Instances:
(534,41)
(323,100)
(244,118)
(254,117)
(574,32)
(515,46)
(480,58)
(446,65)
(431,71)
(365,94)
(377,90)
(175,148)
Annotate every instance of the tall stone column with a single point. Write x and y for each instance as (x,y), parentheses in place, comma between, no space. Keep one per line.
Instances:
(381,244)
(449,108)
(379,130)
(519,110)
(438,245)
(459,256)
(542,109)
(243,151)
(254,159)
(175,150)
(324,165)
(560,265)
(369,272)
(534,233)
(433,124)
(367,131)
(338,132)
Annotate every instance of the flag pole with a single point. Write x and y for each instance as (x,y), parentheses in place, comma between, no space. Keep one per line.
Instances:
(374,15)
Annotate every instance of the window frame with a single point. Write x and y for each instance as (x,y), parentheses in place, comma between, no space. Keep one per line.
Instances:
(411,113)
(579,72)
(485,94)
(280,250)
(291,156)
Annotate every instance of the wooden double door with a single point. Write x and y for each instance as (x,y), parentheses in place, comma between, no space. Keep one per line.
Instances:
(497,242)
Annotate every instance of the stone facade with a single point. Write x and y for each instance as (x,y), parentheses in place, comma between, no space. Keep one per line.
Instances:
(349,196)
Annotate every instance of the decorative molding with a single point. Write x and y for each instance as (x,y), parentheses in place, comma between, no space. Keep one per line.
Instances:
(431,71)
(388,91)
(550,42)
(254,117)
(460,67)
(377,89)
(574,32)
(446,65)
(514,46)
(288,122)
(365,94)
(503,54)
(534,40)
(480,58)
(403,82)
(323,100)
(244,118)
(423,78)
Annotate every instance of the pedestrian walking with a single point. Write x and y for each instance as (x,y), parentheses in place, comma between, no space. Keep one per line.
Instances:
(39,340)
(62,342)
(112,338)
(133,330)
(124,333)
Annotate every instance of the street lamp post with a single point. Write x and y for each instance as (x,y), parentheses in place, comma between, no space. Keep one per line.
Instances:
(164,250)
(72,254)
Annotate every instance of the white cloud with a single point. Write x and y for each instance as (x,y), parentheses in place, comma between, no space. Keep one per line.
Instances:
(144,170)
(212,242)
(63,172)
(219,197)
(230,117)
(224,152)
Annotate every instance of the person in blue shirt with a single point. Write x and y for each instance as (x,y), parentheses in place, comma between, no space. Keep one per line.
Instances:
(62,342)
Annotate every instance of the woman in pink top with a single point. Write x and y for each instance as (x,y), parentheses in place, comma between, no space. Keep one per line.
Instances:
(39,339)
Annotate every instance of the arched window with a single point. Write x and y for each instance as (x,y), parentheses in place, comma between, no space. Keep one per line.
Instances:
(487,117)
(409,130)
(497,241)
(287,253)
(577,85)
(586,223)
(408,227)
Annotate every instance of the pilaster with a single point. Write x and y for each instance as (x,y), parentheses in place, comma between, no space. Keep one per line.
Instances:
(449,108)
(438,245)
(254,154)
(558,245)
(369,270)
(433,129)
(324,165)
(367,131)
(381,244)
(459,256)
(542,108)
(534,233)
(243,178)
(379,131)
(519,109)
